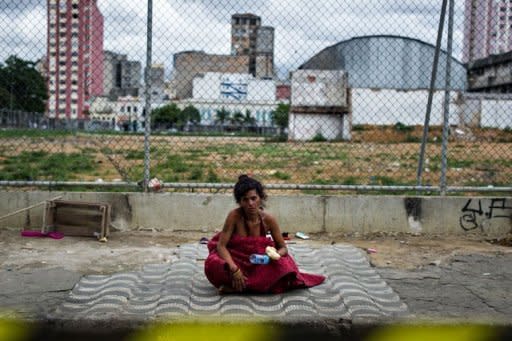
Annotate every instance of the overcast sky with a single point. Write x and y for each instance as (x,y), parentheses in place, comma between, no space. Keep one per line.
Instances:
(302,27)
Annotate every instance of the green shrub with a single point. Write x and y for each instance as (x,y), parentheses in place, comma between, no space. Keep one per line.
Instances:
(399,126)
(282,175)
(318,138)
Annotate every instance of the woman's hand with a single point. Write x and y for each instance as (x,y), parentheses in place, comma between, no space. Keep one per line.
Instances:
(238,280)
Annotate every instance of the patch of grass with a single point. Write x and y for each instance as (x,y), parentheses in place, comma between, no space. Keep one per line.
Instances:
(501,162)
(224,149)
(106,150)
(278,138)
(40,165)
(270,150)
(384,181)
(307,158)
(176,163)
(211,176)
(89,150)
(196,174)
(282,175)
(138,154)
(13,133)
(412,139)
(351,180)
(453,163)
(135,155)
(337,155)
(196,153)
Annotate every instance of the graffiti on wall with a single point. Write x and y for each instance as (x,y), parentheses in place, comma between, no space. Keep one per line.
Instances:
(475,213)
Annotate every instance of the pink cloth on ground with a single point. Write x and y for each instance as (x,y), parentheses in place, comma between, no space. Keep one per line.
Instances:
(35,233)
(275,277)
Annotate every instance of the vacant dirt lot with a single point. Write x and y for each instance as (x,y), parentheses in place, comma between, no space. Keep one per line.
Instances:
(375,155)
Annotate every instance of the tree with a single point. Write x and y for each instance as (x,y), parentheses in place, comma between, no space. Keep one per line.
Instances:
(237,118)
(191,114)
(280,116)
(22,87)
(248,119)
(222,116)
(166,116)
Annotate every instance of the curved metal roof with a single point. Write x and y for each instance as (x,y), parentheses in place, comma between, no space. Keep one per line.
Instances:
(388,61)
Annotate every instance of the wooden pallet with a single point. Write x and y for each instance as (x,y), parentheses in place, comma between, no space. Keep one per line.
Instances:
(77,218)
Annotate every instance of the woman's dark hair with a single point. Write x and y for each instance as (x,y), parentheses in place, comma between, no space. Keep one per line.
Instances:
(245,184)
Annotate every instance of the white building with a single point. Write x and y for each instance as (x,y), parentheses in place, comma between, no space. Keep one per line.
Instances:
(234,92)
(126,113)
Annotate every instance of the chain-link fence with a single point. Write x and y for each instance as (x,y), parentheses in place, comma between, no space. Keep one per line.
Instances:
(365,95)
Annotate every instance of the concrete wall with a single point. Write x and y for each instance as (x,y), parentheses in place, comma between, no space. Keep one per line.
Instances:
(389,106)
(307,213)
(304,127)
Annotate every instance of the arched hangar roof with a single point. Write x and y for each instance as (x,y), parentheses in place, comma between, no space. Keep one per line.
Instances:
(387,61)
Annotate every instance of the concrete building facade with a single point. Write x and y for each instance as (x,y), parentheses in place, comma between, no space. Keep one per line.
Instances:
(121,77)
(234,92)
(487,28)
(74,57)
(190,64)
(249,38)
(158,87)
(492,74)
(320,105)
(124,113)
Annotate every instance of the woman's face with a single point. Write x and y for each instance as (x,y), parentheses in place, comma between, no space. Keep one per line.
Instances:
(250,202)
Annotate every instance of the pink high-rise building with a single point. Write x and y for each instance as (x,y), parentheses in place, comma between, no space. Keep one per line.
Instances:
(487,28)
(75,57)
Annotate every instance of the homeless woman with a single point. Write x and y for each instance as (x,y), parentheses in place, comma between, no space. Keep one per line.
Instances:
(228,266)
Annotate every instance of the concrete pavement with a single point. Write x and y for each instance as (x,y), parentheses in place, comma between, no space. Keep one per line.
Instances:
(467,288)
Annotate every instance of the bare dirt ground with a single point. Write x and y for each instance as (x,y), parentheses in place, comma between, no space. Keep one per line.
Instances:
(376,155)
(127,251)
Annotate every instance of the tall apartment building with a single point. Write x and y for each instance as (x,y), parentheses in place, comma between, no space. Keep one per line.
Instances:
(75,57)
(121,77)
(487,28)
(249,38)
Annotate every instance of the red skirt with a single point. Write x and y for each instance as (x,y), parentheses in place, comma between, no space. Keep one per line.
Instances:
(274,277)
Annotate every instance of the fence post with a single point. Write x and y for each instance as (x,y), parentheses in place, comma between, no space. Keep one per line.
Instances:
(431,93)
(147,96)
(446,106)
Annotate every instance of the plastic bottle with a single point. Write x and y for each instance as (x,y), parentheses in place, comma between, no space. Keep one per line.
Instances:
(259,259)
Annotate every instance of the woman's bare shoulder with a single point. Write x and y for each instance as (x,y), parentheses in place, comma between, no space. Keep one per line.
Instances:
(268,217)
(234,215)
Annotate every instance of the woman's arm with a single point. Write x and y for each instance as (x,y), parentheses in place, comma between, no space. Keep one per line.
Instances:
(275,231)
(237,276)
(224,237)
